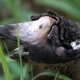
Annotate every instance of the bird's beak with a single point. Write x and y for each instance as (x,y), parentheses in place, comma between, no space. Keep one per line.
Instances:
(32,32)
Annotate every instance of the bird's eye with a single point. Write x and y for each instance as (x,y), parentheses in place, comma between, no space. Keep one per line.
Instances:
(40,27)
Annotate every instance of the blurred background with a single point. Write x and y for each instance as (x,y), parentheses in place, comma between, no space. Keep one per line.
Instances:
(13,11)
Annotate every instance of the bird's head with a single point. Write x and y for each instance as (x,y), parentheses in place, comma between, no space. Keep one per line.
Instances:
(46,35)
(32,32)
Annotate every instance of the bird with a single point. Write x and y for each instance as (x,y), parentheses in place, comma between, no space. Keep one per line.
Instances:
(46,39)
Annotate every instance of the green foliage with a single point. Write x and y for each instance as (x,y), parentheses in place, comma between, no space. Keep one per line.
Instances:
(4,65)
(17,11)
(56,75)
(15,70)
(68,6)
(18,43)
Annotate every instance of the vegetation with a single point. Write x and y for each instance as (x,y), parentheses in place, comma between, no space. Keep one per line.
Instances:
(19,11)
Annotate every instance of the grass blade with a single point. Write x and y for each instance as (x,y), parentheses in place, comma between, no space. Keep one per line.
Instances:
(47,73)
(4,65)
(18,43)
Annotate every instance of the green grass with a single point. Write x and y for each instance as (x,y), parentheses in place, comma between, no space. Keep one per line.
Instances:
(18,43)
(4,65)
(48,73)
